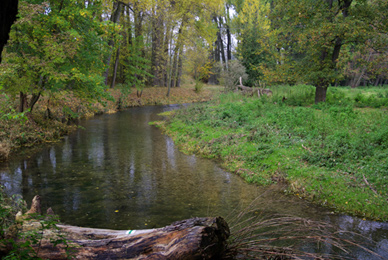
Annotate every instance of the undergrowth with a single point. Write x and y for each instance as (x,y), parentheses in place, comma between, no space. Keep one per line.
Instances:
(332,153)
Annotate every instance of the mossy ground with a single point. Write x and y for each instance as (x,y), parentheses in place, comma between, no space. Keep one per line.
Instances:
(334,154)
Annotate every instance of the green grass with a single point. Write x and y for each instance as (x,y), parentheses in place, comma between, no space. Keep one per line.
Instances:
(333,154)
(303,95)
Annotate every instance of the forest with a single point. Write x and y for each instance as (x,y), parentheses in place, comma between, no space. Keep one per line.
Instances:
(89,46)
(321,130)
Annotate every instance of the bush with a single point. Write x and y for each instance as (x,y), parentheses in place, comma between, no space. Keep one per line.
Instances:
(230,76)
(198,86)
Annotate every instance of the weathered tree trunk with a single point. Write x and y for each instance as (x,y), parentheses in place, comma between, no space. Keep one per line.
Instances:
(320,94)
(196,238)
(8,12)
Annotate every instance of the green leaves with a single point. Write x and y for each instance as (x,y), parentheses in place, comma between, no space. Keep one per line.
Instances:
(56,46)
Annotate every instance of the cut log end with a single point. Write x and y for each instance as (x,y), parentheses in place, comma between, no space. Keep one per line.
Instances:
(35,206)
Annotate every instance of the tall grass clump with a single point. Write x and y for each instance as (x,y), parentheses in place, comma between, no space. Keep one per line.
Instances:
(298,95)
(255,235)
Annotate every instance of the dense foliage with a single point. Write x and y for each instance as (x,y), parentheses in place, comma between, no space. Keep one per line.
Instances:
(54,47)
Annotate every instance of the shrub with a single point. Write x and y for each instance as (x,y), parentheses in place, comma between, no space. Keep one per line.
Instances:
(230,76)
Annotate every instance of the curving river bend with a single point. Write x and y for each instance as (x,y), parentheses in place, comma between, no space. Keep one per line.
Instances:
(120,173)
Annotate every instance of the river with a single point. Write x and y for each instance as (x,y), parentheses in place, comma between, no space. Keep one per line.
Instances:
(119,172)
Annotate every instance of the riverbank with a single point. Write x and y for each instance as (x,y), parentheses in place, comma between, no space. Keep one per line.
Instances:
(334,155)
(56,115)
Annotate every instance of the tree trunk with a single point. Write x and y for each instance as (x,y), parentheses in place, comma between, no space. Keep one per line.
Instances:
(228,34)
(8,12)
(165,56)
(115,17)
(377,82)
(177,53)
(320,94)
(195,238)
(34,99)
(157,46)
(221,42)
(115,68)
(180,68)
(217,54)
(229,43)
(22,102)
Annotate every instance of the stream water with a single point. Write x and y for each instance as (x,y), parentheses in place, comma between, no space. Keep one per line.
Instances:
(121,173)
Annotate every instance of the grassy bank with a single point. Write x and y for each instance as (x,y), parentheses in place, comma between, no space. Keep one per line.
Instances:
(54,115)
(334,154)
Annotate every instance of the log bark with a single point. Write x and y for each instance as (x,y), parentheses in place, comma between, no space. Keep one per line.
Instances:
(195,238)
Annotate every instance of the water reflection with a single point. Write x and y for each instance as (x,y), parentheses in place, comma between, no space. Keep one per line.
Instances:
(121,173)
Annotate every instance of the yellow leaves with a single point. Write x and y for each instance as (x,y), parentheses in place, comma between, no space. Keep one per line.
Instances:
(83,13)
(255,13)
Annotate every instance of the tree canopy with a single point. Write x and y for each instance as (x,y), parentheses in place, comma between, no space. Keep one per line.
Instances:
(88,46)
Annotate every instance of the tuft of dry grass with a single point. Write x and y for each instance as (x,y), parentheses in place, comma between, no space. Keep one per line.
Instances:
(5,149)
(260,236)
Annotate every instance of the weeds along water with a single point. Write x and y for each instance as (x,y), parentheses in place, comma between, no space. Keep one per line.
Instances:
(334,153)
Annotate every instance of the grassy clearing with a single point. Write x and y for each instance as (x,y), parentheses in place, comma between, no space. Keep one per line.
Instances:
(334,154)
(55,115)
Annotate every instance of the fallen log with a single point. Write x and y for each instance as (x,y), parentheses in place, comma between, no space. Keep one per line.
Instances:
(250,91)
(195,238)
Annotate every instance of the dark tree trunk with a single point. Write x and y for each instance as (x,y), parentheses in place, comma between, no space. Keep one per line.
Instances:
(115,68)
(157,47)
(229,43)
(115,17)
(8,12)
(22,102)
(217,54)
(320,94)
(34,99)
(228,34)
